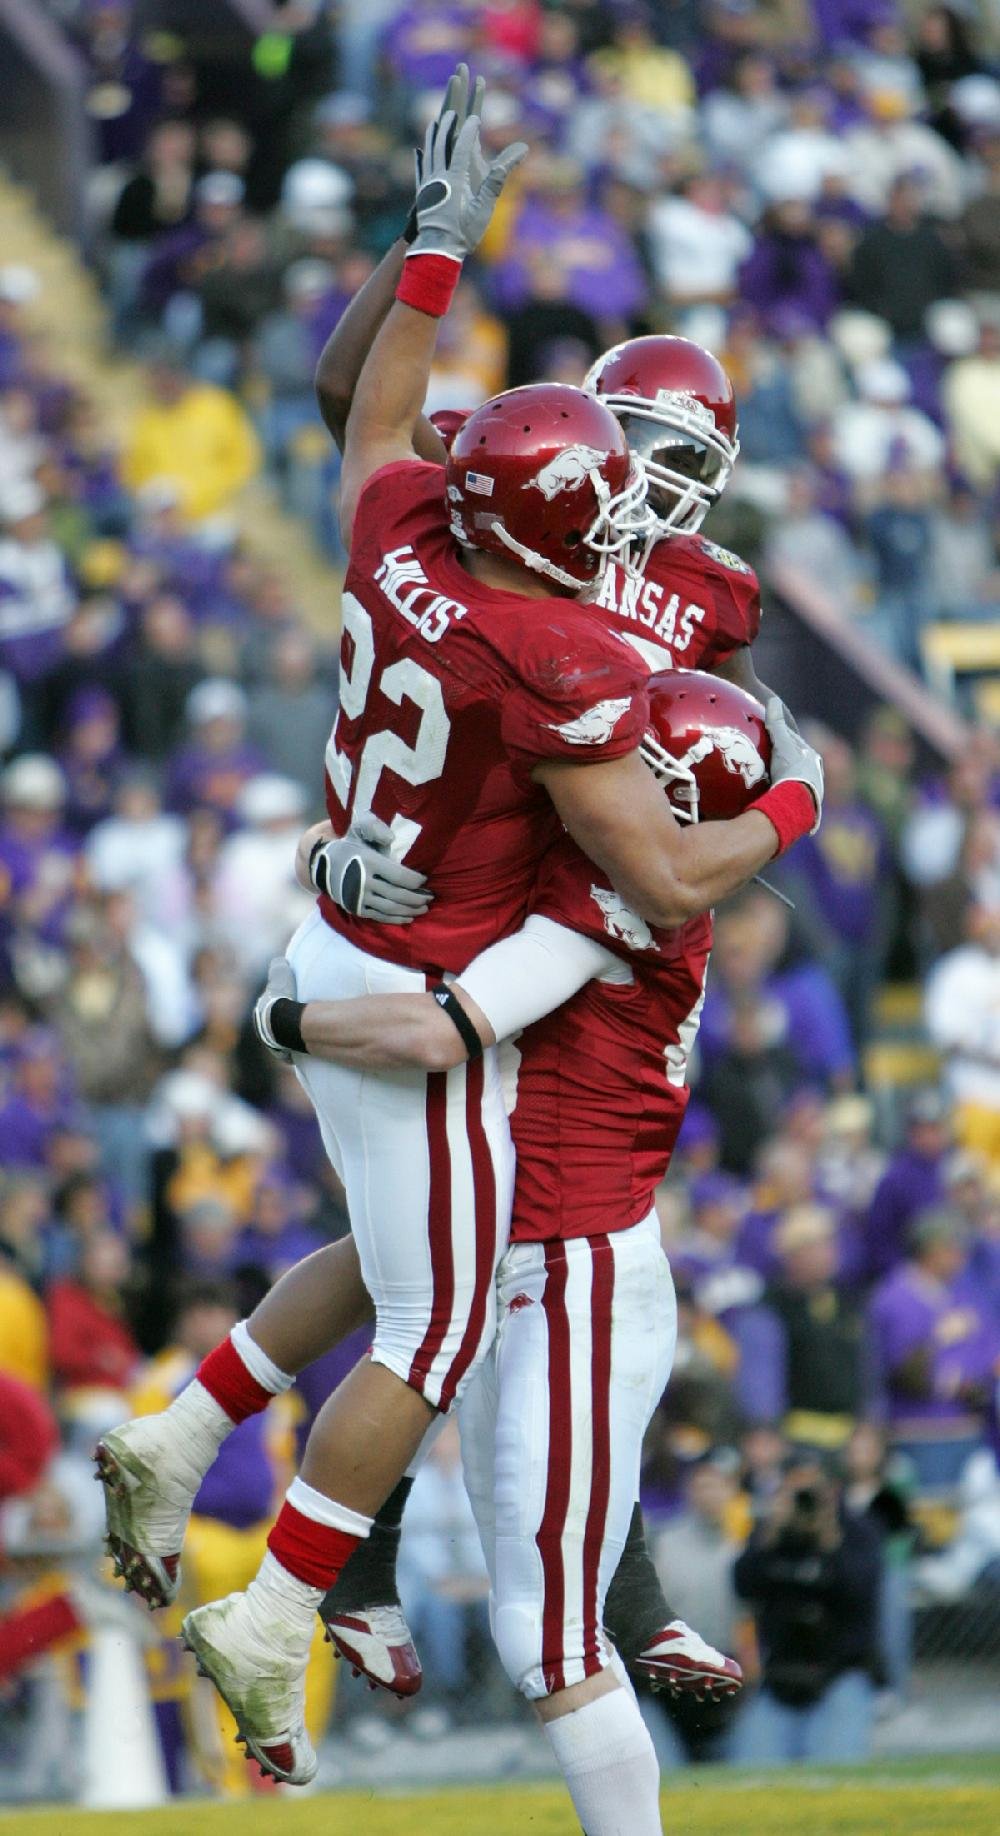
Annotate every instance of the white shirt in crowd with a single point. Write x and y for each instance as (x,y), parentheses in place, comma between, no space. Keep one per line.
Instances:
(694,251)
(35,590)
(866,436)
(962,1011)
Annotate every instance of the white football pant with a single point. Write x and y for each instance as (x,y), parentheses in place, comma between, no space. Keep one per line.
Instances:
(427,1164)
(552,1429)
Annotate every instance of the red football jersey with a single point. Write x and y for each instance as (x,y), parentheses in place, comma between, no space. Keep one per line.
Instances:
(695,605)
(450,693)
(601,1087)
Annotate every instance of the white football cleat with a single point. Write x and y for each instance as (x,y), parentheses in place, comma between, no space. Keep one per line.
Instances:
(378,1644)
(261,1683)
(150,1483)
(679,1660)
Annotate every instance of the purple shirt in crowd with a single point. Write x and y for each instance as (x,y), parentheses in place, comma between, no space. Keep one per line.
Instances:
(816,1029)
(423,44)
(910,1184)
(238,1488)
(197,777)
(910,1313)
(844,864)
(600,270)
(25,1131)
(789,274)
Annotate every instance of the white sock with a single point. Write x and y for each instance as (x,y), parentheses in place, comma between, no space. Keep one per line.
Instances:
(324,1510)
(202,1425)
(262,1368)
(283,1608)
(606,1756)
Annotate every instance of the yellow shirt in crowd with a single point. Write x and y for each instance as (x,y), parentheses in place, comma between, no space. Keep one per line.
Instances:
(24,1334)
(972,404)
(204,443)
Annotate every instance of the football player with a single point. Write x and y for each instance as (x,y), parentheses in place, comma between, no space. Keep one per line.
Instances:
(552,1425)
(475,710)
(693,605)
(697,606)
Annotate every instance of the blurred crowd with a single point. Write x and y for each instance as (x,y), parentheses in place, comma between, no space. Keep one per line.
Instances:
(813,191)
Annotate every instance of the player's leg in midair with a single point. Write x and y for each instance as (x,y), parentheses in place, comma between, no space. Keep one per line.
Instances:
(153,1466)
(427,1166)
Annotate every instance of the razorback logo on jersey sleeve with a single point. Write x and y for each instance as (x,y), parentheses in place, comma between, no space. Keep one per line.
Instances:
(595,725)
(620,921)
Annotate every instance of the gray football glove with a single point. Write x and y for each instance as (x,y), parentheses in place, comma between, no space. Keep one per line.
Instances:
(456,101)
(361,876)
(791,756)
(280,987)
(458,188)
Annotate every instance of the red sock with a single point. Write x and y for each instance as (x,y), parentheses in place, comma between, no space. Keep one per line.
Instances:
(312,1552)
(26,1634)
(226,1378)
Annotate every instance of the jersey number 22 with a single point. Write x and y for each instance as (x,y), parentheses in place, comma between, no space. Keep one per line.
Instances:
(382,751)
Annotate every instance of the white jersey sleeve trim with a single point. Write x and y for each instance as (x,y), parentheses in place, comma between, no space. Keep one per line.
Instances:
(526,976)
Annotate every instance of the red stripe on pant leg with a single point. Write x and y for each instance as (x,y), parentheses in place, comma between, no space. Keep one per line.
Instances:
(484,1188)
(549,1536)
(602,1290)
(438,1230)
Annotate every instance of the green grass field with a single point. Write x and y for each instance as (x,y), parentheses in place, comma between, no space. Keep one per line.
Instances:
(955,1796)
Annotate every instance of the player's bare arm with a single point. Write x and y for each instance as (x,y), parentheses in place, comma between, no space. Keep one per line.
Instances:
(343,357)
(385,1032)
(453,207)
(670,872)
(387,403)
(512,984)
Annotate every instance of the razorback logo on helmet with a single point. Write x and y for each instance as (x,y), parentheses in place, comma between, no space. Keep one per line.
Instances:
(739,754)
(698,412)
(725,556)
(596,725)
(620,921)
(566,472)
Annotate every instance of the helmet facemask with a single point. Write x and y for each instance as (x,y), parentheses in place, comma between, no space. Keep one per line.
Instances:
(687,459)
(678,780)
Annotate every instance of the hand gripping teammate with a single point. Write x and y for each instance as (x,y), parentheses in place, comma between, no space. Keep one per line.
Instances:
(471,700)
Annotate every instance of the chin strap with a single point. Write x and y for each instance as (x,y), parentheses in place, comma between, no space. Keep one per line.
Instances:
(537,563)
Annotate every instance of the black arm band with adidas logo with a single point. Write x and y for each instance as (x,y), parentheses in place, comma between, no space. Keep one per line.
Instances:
(459,1018)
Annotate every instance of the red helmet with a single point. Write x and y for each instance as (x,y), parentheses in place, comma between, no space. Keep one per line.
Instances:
(448,421)
(544,474)
(706,743)
(676,405)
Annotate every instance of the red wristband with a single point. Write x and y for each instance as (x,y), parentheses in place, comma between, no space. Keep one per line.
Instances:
(428,283)
(790,810)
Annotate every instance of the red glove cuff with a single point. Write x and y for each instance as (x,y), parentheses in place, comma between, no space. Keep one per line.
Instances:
(790,810)
(428,283)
